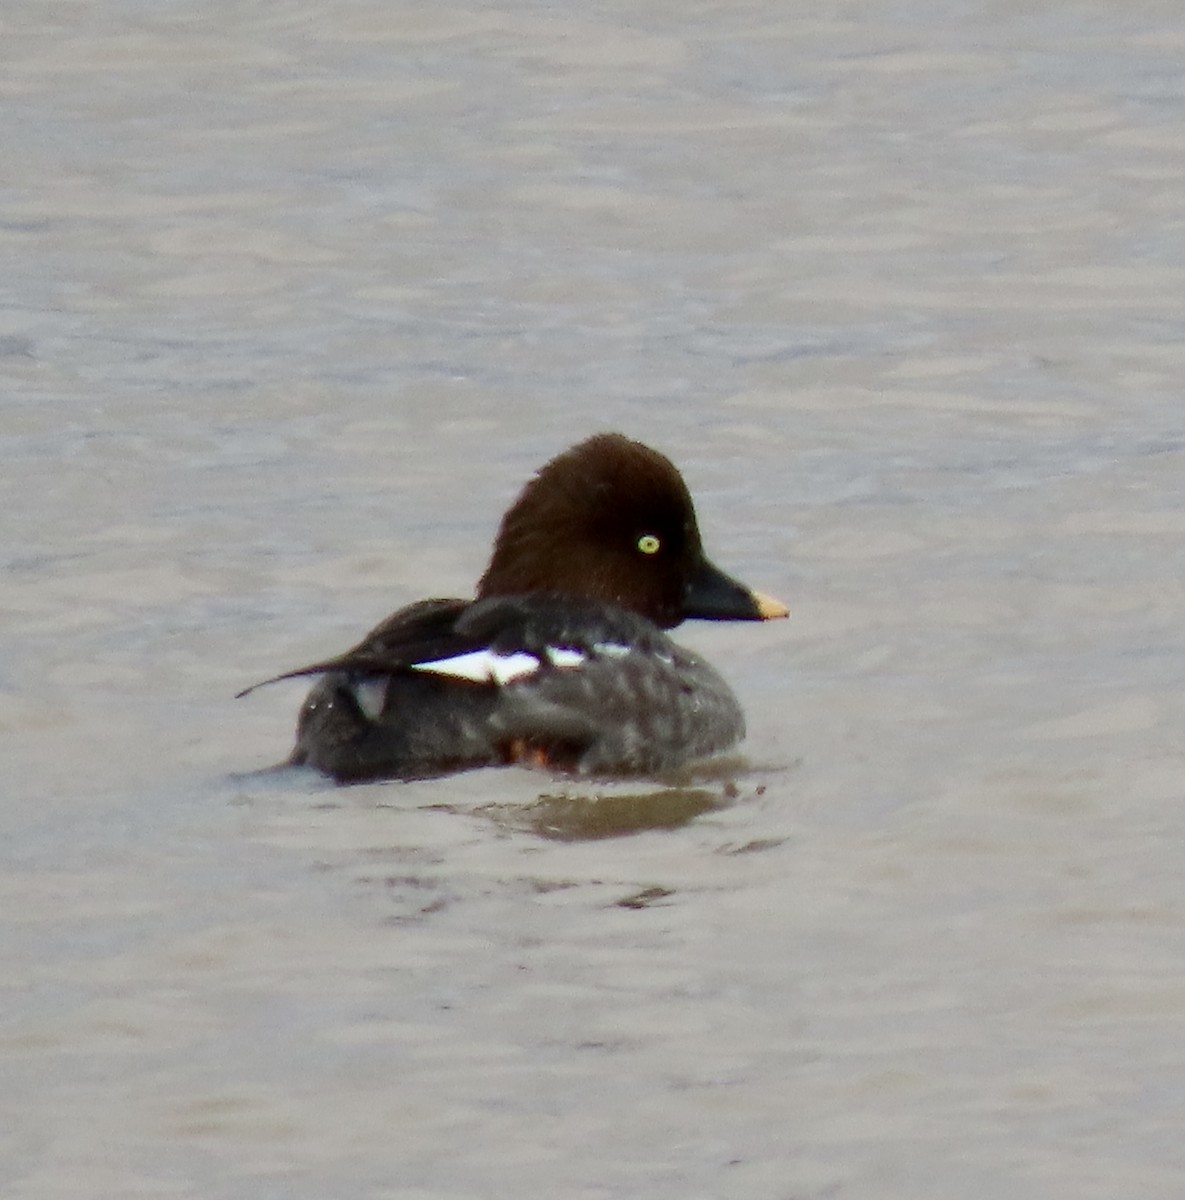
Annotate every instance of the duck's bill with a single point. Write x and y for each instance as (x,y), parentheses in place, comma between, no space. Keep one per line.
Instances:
(711,595)
(769,609)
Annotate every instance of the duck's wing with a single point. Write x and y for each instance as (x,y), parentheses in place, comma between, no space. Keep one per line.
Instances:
(498,640)
(504,639)
(419,632)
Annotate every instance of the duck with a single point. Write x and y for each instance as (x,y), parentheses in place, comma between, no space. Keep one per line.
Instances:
(562,660)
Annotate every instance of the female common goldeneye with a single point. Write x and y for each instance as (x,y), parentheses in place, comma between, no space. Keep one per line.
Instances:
(560,661)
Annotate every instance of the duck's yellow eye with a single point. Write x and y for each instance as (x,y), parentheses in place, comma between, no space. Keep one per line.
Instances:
(649,544)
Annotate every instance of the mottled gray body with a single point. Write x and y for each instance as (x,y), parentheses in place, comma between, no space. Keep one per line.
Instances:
(616,713)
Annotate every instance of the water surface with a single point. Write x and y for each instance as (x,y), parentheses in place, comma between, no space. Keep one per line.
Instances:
(294,301)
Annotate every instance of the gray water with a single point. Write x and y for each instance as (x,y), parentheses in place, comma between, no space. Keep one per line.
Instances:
(296,296)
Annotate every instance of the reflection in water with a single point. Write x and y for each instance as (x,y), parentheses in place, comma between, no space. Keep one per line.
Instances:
(588,812)
(578,817)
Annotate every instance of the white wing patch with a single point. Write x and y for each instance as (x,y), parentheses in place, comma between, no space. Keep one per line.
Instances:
(483,666)
(564,656)
(486,666)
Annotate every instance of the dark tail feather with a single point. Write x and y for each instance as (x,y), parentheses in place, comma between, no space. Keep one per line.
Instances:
(315,669)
